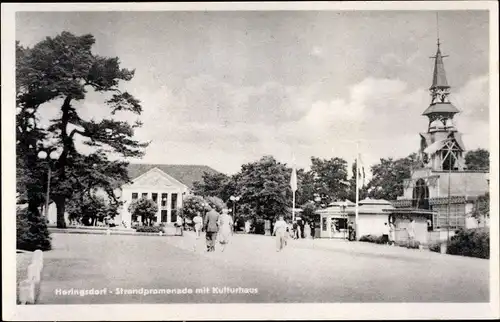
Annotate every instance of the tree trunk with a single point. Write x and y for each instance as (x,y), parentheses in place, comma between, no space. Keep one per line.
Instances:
(61,207)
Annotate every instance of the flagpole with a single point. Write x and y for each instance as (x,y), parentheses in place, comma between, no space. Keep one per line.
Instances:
(357,191)
(293,185)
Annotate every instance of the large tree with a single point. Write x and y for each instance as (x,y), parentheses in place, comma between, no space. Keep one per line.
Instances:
(264,187)
(388,176)
(478,160)
(330,179)
(62,70)
(217,185)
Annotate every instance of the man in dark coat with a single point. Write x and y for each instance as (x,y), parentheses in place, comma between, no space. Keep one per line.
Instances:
(211,225)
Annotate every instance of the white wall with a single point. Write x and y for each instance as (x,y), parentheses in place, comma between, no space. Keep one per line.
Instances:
(372,224)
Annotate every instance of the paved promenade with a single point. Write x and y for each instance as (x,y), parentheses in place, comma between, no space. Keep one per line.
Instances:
(251,271)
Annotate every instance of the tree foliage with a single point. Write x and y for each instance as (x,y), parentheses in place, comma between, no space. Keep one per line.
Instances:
(387,177)
(482,207)
(478,160)
(145,208)
(90,208)
(31,231)
(330,179)
(305,187)
(216,203)
(308,210)
(63,70)
(264,186)
(193,205)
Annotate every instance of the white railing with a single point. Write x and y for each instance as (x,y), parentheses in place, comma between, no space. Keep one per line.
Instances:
(29,289)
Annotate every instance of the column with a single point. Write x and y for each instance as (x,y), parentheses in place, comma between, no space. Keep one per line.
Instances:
(179,199)
(158,203)
(169,212)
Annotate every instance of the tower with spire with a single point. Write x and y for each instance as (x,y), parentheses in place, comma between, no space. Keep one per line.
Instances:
(440,191)
(441,146)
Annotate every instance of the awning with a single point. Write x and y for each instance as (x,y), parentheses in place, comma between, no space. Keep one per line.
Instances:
(436,146)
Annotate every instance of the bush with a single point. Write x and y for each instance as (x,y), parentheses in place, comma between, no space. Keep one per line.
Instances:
(31,231)
(148,229)
(470,242)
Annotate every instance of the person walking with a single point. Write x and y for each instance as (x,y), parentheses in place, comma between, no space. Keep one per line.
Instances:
(313,229)
(225,228)
(280,231)
(411,233)
(198,224)
(294,229)
(385,234)
(307,230)
(179,223)
(211,228)
(392,233)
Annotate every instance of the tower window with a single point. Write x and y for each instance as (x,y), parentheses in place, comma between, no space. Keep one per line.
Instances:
(420,198)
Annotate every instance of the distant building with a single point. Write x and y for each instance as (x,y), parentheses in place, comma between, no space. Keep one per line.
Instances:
(165,184)
(441,170)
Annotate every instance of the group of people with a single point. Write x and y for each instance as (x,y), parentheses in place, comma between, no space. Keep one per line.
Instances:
(301,229)
(389,234)
(216,226)
(298,229)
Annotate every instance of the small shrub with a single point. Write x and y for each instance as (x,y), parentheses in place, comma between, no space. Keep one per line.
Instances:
(470,242)
(148,229)
(435,247)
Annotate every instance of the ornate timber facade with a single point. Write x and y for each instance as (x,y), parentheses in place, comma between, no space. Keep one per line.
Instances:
(441,171)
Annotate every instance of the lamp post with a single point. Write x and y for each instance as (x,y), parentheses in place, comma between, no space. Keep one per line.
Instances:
(234,200)
(49,155)
(344,214)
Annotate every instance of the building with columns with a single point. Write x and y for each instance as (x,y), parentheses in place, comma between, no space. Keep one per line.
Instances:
(164,184)
(441,187)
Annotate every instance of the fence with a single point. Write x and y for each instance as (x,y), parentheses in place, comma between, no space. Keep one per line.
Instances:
(29,289)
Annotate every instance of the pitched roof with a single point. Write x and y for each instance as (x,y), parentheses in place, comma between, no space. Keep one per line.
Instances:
(187,174)
(439,75)
(441,108)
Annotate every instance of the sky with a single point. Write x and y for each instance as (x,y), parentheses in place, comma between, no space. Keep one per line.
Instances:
(226,88)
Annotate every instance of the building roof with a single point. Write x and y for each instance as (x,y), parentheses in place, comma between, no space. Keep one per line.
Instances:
(441,107)
(410,211)
(439,75)
(185,173)
(378,202)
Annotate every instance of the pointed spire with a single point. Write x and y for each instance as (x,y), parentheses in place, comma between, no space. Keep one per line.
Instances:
(439,76)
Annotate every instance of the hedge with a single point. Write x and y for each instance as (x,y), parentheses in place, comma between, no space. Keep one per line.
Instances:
(148,229)
(371,239)
(470,242)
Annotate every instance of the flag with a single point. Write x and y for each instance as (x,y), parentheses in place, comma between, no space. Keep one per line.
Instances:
(293,179)
(361,171)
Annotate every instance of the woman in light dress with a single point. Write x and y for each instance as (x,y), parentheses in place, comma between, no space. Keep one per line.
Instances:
(198,223)
(307,230)
(225,228)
